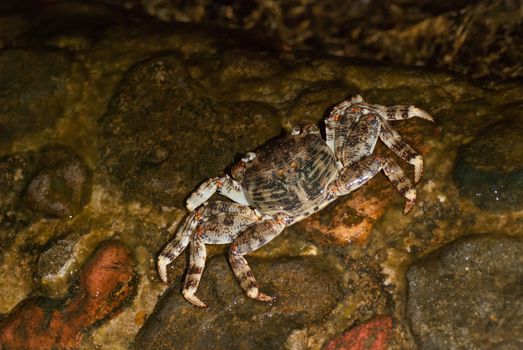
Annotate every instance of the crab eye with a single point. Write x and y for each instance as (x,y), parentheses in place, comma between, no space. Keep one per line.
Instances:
(296,130)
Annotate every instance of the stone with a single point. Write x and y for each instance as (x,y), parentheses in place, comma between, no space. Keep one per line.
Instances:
(467,295)
(16,171)
(62,186)
(489,169)
(34,90)
(106,282)
(149,159)
(373,334)
(304,291)
(56,265)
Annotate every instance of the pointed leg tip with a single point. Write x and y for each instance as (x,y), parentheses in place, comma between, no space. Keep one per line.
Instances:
(408,206)
(162,268)
(265,298)
(193,299)
(420,113)
(417,177)
(418,167)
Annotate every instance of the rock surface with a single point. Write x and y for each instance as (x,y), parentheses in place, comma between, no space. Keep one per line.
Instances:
(467,295)
(105,282)
(32,99)
(489,169)
(15,173)
(149,158)
(62,184)
(304,294)
(371,335)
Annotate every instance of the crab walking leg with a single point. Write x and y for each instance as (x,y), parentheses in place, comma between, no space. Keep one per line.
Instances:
(195,271)
(252,238)
(362,171)
(219,207)
(334,119)
(213,223)
(223,228)
(220,218)
(399,112)
(357,175)
(394,141)
(400,181)
(225,185)
(360,140)
(177,245)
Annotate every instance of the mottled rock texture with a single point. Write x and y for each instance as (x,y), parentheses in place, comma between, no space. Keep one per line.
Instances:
(105,282)
(467,295)
(304,294)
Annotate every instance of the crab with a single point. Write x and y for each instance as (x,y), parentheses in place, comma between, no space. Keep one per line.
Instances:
(287,180)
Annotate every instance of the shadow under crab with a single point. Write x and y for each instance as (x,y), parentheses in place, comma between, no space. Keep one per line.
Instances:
(287,180)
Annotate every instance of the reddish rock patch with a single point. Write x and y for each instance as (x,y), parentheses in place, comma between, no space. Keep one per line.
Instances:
(352,220)
(106,281)
(371,335)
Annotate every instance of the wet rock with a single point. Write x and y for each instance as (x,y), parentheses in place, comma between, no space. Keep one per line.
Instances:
(489,170)
(11,26)
(106,281)
(56,265)
(305,294)
(62,185)
(467,295)
(34,88)
(150,156)
(370,335)
(15,173)
(351,219)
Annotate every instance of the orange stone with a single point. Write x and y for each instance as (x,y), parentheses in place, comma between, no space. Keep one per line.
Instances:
(371,335)
(42,323)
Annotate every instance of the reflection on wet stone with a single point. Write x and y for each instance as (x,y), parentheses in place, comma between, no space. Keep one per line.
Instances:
(62,185)
(304,292)
(489,169)
(467,295)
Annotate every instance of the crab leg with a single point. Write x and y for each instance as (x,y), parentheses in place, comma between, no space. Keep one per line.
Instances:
(400,181)
(360,140)
(219,229)
(339,118)
(177,245)
(394,141)
(362,171)
(195,271)
(230,214)
(214,223)
(225,185)
(252,238)
(399,112)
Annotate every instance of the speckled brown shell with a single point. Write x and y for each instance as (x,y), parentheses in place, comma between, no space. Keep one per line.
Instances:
(290,174)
